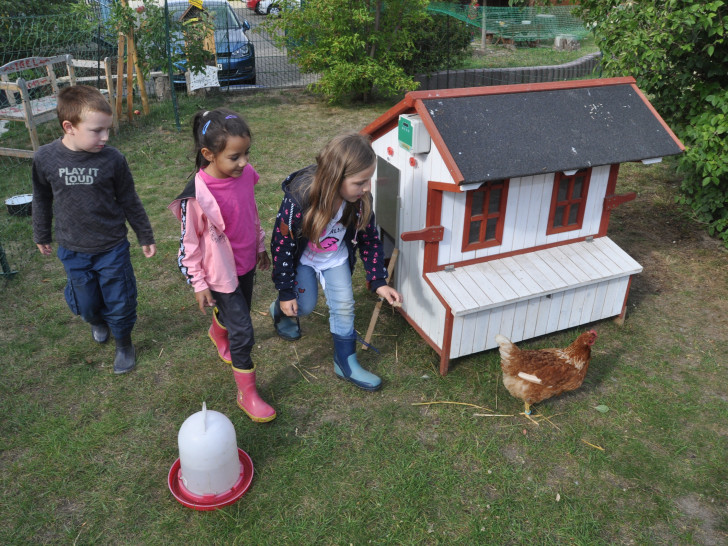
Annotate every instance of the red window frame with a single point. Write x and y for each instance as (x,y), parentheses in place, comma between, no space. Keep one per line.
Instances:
(482,197)
(567,202)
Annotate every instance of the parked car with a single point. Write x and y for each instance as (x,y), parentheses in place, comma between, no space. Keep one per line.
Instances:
(269,7)
(235,52)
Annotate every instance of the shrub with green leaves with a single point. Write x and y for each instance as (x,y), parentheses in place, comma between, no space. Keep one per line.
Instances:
(677,52)
(360,47)
(441,42)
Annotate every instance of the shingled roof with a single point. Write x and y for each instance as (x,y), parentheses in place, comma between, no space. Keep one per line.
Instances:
(491,133)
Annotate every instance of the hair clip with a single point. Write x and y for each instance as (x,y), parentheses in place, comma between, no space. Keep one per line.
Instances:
(205,113)
(231,117)
(204,128)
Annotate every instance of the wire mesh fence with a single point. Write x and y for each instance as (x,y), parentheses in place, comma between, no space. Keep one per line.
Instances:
(88,37)
(516,24)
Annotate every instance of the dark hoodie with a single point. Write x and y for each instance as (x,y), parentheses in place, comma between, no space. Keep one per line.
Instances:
(288,243)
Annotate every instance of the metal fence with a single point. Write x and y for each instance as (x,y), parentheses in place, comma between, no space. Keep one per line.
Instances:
(516,24)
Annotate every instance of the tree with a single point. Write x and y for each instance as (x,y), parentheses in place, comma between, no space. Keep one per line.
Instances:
(13,8)
(358,46)
(677,52)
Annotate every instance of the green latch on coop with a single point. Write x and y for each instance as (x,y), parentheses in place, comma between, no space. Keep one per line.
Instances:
(412,134)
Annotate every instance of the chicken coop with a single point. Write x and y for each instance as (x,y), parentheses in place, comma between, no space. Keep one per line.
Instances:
(498,200)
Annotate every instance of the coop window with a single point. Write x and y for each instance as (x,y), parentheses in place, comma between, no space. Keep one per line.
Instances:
(485,212)
(568,201)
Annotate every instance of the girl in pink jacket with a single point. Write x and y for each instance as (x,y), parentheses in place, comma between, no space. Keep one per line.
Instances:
(222,243)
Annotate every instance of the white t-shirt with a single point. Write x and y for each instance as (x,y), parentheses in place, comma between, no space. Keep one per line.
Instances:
(333,251)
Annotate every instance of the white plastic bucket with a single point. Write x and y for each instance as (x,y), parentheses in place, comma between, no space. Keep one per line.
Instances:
(208,453)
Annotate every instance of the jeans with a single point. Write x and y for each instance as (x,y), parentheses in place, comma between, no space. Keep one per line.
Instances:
(102,287)
(338,292)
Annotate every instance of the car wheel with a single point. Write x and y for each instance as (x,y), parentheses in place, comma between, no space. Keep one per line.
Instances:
(274,10)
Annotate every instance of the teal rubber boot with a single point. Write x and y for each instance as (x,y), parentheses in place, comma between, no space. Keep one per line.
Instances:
(286,327)
(347,367)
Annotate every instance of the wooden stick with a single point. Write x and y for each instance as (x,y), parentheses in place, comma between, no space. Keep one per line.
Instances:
(447,402)
(378,306)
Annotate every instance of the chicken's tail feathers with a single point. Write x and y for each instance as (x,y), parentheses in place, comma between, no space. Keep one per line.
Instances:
(501,340)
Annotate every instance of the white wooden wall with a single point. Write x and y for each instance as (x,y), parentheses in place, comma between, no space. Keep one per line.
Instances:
(527,214)
(420,303)
(538,316)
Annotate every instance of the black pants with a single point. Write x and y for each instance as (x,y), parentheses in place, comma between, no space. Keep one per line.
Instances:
(234,314)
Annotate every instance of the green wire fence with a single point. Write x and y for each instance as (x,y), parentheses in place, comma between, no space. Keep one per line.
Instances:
(513,25)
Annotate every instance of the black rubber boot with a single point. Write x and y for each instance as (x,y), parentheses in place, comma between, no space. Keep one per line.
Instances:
(100,333)
(125,358)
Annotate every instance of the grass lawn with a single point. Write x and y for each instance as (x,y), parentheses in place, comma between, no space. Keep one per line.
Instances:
(509,56)
(85,454)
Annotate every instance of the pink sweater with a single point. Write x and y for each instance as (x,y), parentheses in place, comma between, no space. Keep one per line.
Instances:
(206,254)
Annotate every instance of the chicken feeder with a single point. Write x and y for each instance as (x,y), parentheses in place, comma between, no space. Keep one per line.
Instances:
(211,471)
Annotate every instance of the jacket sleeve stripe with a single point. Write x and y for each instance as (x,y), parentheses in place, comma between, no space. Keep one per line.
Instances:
(181,256)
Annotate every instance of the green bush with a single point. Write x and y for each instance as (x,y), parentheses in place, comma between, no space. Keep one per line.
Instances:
(441,42)
(677,52)
(360,47)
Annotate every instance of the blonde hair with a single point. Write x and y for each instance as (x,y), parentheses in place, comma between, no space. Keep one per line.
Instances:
(343,156)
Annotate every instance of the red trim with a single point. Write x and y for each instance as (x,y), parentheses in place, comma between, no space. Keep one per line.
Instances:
(446,343)
(513,253)
(620,318)
(384,123)
(432,218)
(437,141)
(444,186)
(658,117)
(444,351)
(611,188)
(431,234)
(517,88)
(568,202)
(613,201)
(420,332)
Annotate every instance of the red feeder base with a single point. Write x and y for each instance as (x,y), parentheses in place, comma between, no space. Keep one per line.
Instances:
(211,502)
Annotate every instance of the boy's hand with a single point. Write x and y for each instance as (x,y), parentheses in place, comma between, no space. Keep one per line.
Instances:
(46,250)
(204,299)
(149,250)
(390,294)
(263,261)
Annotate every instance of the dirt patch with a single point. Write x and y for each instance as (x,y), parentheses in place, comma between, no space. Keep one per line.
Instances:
(702,515)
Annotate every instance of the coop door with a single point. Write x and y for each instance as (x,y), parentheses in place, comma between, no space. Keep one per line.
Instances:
(386,205)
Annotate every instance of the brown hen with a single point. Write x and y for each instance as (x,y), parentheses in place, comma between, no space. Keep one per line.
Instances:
(535,375)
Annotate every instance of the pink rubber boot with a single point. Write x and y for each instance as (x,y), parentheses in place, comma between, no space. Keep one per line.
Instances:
(248,398)
(219,336)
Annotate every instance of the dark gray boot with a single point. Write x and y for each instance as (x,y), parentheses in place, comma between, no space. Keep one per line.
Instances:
(125,358)
(100,332)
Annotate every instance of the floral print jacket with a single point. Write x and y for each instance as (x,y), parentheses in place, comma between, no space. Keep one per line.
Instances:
(287,243)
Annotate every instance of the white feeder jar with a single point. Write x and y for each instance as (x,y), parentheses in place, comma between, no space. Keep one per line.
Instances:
(208,453)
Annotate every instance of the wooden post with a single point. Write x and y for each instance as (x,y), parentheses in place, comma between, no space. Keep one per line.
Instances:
(120,74)
(140,78)
(129,77)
